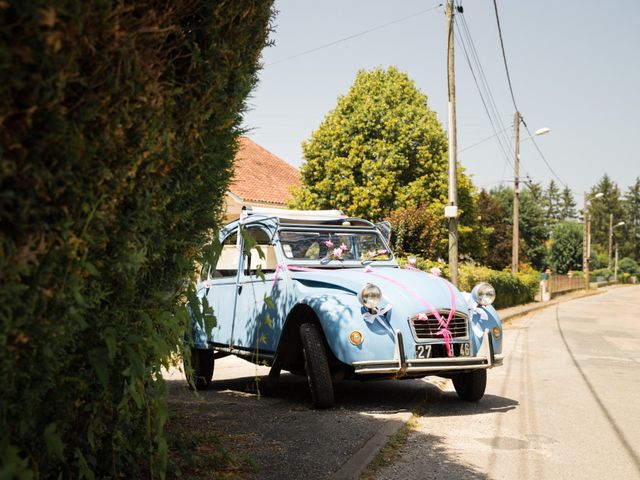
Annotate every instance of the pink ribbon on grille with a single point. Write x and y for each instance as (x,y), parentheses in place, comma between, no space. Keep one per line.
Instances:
(444,324)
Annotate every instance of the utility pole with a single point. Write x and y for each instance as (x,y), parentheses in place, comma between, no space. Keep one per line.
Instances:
(585,244)
(615,269)
(451,210)
(610,239)
(516,195)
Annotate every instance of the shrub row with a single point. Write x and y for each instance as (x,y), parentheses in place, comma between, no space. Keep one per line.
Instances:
(510,289)
(118,128)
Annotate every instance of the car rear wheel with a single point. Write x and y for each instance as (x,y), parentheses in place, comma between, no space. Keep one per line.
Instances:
(317,366)
(202,363)
(470,386)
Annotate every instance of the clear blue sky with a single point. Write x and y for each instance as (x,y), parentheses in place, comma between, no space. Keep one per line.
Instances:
(574,65)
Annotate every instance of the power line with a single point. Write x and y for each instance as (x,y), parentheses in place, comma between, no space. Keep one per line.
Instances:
(355,35)
(504,56)
(542,155)
(504,139)
(486,96)
(482,141)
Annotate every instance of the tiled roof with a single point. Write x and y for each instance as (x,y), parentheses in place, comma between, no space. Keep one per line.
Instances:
(260,176)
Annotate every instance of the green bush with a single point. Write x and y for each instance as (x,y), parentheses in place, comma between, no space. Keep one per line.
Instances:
(118,128)
(417,229)
(566,247)
(601,272)
(510,289)
(628,265)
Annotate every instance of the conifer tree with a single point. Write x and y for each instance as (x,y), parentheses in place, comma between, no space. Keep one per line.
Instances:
(552,203)
(567,205)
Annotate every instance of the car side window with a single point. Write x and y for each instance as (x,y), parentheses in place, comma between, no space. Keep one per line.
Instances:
(227,264)
(261,255)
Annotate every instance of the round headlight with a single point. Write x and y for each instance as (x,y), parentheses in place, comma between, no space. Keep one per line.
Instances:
(370,296)
(484,294)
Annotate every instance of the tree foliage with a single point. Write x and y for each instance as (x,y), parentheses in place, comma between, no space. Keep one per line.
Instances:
(417,230)
(600,210)
(629,241)
(118,127)
(628,265)
(499,237)
(383,150)
(567,205)
(566,247)
(533,228)
(552,204)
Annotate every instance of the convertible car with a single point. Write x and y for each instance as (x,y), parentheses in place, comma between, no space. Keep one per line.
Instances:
(318,294)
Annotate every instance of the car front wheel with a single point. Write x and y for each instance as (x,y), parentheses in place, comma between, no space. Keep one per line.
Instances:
(317,366)
(202,363)
(470,386)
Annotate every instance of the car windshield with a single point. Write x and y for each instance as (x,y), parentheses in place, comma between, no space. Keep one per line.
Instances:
(328,245)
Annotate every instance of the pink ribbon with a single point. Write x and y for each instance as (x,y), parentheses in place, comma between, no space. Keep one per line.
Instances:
(444,324)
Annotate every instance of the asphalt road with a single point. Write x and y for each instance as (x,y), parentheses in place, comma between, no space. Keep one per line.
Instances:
(566,403)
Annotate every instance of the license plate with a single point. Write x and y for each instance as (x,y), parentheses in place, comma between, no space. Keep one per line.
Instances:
(423,351)
(465,350)
(459,350)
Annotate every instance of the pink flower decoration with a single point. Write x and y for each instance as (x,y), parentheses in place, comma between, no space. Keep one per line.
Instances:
(382,252)
(337,252)
(423,316)
(411,261)
(436,271)
(328,244)
(368,269)
(343,247)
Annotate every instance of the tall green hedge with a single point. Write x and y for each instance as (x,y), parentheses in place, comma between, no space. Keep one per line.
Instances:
(118,126)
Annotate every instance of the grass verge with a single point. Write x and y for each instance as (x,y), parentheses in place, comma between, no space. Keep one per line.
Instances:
(197,454)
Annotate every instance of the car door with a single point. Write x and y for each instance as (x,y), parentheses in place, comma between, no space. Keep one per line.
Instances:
(260,308)
(220,288)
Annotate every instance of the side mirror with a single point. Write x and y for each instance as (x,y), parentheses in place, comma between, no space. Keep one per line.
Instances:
(385,229)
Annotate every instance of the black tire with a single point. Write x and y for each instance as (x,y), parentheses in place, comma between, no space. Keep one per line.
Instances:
(202,363)
(317,366)
(470,386)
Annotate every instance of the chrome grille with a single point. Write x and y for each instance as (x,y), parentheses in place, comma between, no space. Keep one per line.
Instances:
(426,329)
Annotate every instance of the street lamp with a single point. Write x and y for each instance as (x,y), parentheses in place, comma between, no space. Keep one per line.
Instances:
(586,237)
(516,191)
(611,227)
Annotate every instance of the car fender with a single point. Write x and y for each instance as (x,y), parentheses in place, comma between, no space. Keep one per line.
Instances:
(339,314)
(481,319)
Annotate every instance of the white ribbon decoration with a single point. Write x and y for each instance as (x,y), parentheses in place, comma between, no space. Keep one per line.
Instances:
(474,307)
(379,317)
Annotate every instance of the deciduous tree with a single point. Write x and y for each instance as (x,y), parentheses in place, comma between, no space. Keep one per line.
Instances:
(494,216)
(566,247)
(382,149)
(533,228)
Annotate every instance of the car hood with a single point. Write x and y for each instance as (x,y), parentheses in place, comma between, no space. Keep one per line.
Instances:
(415,290)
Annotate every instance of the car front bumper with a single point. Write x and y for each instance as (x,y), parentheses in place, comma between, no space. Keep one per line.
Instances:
(401,366)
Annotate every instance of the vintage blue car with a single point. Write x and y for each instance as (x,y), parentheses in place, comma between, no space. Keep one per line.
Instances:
(315,293)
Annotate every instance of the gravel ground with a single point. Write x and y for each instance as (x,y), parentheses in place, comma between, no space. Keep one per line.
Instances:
(278,431)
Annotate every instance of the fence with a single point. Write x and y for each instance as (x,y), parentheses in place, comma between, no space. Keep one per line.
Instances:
(564,283)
